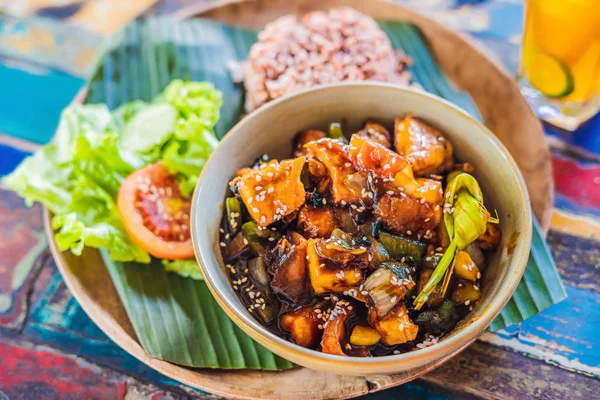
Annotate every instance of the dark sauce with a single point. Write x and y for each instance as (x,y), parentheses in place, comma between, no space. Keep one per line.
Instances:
(244,285)
(246,288)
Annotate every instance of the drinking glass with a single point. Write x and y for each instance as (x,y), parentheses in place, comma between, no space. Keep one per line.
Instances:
(560,60)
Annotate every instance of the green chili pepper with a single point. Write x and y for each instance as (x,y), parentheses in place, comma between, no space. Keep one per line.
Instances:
(399,247)
(336,132)
(234,214)
(258,239)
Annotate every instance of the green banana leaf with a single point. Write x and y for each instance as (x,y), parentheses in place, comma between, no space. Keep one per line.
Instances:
(177,319)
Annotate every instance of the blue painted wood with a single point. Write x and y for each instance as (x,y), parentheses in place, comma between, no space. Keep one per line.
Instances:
(10,158)
(32,99)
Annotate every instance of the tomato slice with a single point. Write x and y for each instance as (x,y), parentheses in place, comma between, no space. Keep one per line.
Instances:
(155,214)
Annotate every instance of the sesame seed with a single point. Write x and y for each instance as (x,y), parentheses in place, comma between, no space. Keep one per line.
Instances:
(390,192)
(467,302)
(222,244)
(258,178)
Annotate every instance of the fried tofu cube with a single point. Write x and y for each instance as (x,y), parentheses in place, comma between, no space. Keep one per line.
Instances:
(304,137)
(370,156)
(335,329)
(273,191)
(316,222)
(419,188)
(324,279)
(364,336)
(490,239)
(396,327)
(332,155)
(305,327)
(464,267)
(423,146)
(377,133)
(430,190)
(404,214)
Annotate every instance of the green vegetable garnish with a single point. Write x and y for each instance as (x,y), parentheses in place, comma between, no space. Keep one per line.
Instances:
(336,131)
(465,218)
(234,214)
(399,247)
(77,176)
(259,239)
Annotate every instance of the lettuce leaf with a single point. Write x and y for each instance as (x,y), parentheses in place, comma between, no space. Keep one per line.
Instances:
(79,173)
(198,104)
(186,268)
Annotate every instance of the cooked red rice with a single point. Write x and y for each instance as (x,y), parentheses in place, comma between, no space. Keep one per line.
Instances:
(293,54)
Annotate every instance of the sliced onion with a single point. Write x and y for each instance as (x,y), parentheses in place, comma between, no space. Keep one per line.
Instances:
(258,271)
(384,293)
(476,255)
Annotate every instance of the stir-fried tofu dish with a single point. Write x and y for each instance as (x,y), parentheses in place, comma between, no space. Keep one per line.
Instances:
(360,245)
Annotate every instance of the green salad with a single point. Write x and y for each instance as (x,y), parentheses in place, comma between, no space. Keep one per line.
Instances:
(122,180)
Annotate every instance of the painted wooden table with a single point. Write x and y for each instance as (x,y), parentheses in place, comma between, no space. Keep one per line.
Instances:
(49,349)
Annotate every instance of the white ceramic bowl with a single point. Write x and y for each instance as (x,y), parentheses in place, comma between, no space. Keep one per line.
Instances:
(271,129)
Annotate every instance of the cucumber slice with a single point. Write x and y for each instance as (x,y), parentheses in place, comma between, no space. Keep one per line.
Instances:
(149,127)
(549,75)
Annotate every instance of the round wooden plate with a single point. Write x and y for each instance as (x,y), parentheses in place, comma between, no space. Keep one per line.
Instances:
(504,111)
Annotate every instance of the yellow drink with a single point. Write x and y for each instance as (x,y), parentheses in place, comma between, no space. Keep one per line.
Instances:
(561,51)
